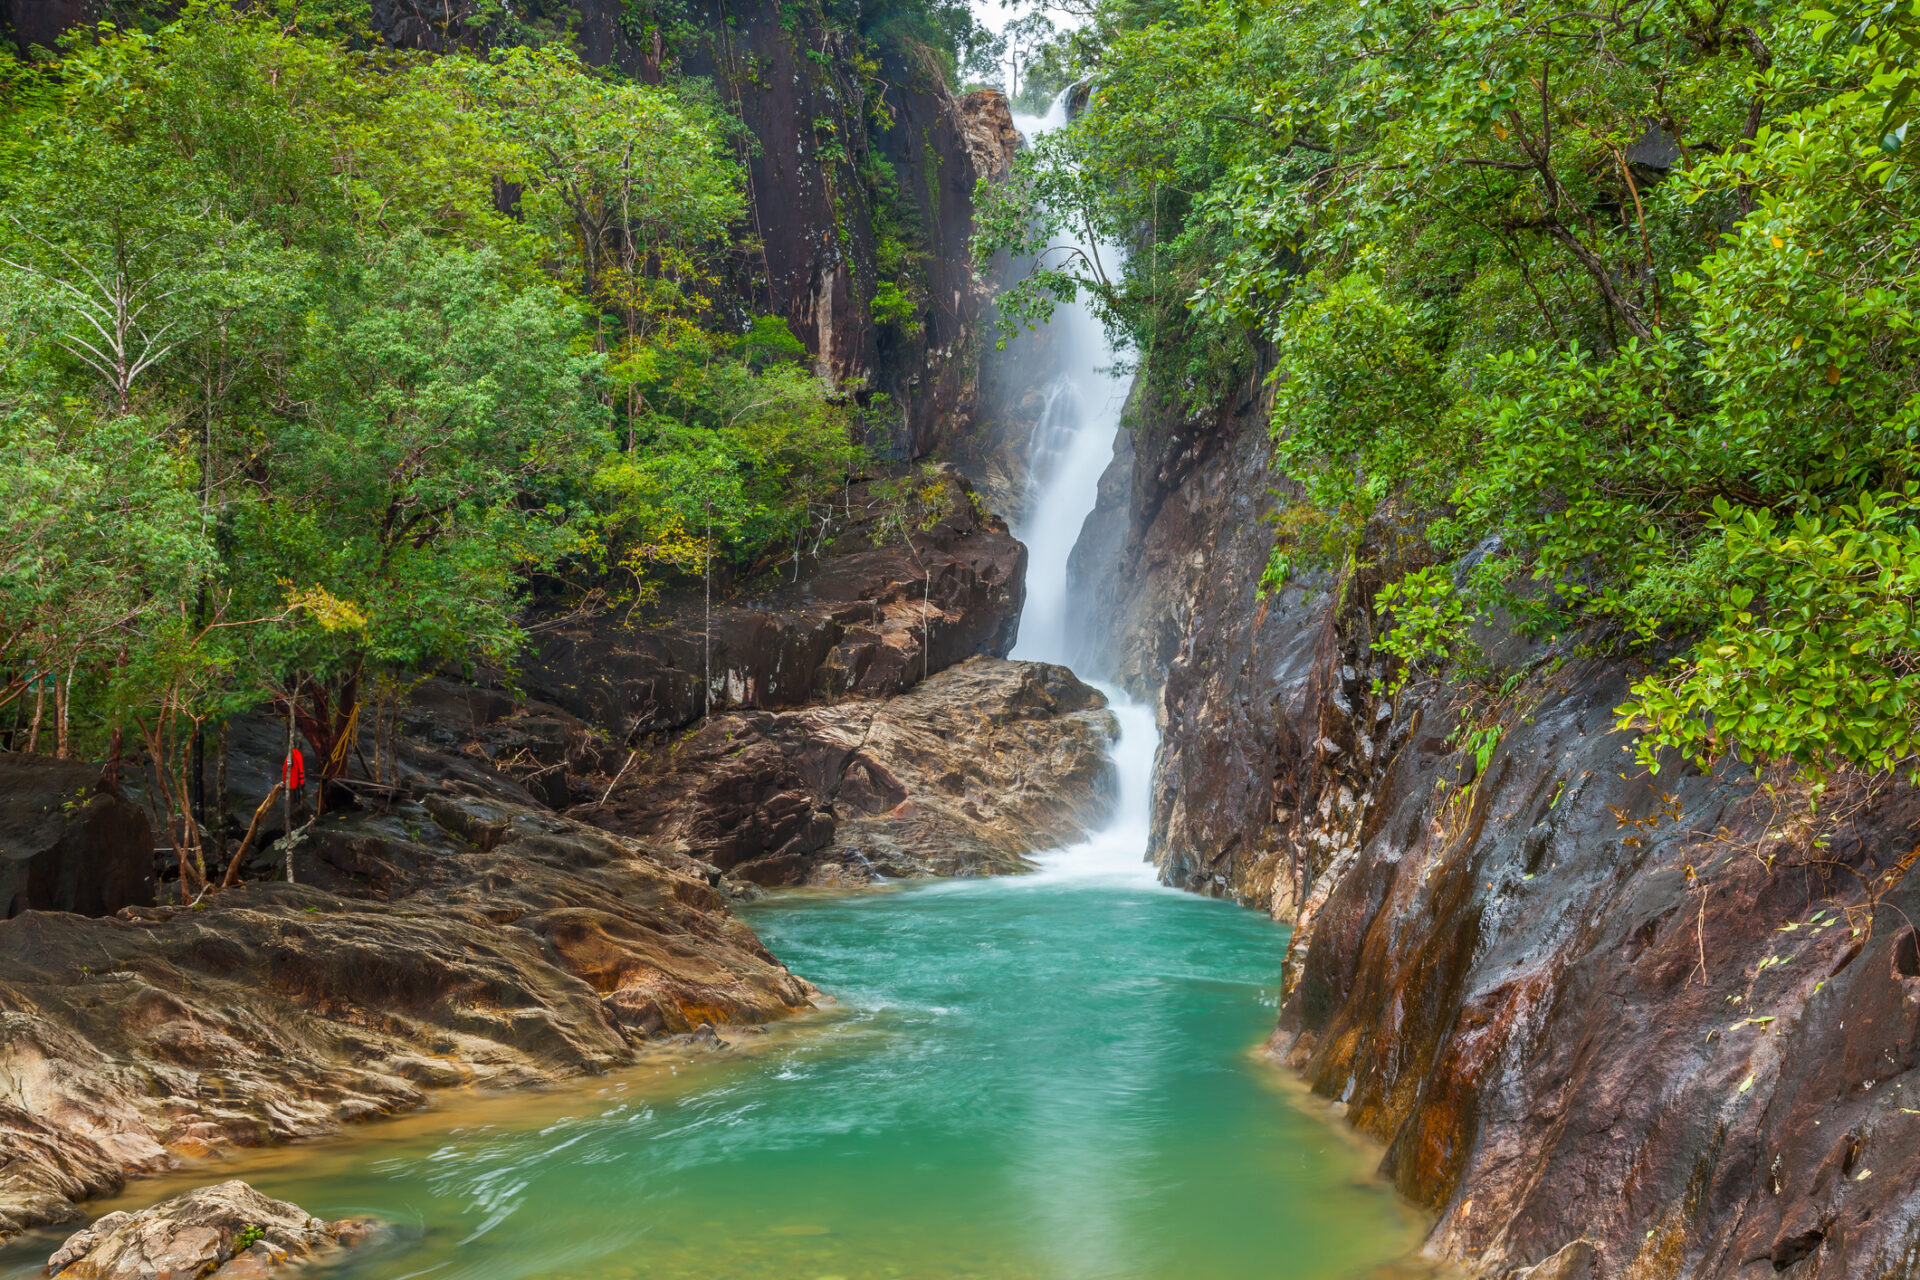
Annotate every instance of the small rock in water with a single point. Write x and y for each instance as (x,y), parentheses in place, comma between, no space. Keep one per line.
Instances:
(229,1231)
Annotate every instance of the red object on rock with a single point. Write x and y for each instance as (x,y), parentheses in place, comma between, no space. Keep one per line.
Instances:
(294,773)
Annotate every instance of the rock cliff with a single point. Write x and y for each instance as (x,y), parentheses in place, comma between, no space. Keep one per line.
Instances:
(884,607)
(839,153)
(1606,1023)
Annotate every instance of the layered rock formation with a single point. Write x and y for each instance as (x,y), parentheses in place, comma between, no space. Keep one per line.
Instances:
(1607,1023)
(462,933)
(227,1231)
(888,605)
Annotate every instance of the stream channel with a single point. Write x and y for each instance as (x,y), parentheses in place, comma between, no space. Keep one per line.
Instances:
(1042,1077)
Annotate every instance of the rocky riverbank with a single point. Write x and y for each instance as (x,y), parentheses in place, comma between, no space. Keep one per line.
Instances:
(465,935)
(462,932)
(527,894)
(1607,1023)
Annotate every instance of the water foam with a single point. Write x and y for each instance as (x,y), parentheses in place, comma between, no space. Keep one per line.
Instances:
(1116,854)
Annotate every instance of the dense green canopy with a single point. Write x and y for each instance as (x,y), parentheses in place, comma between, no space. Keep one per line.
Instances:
(316,355)
(1615,305)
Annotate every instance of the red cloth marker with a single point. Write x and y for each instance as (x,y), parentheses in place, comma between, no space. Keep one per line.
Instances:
(294,773)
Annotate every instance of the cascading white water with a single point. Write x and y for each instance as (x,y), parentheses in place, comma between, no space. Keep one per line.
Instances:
(1071,446)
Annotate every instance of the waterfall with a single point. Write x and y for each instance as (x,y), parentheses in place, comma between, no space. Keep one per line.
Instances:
(1071,446)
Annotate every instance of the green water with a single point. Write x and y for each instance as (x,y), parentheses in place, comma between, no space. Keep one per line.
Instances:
(1047,1077)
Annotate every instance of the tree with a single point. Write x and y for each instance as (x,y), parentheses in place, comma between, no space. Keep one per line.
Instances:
(1024,37)
(316,356)
(402,504)
(741,442)
(1625,297)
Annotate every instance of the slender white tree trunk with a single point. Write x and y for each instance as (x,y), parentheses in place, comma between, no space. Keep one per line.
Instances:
(706,629)
(39,708)
(287,795)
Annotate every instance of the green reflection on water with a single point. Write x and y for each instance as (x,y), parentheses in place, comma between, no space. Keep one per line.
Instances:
(1032,1079)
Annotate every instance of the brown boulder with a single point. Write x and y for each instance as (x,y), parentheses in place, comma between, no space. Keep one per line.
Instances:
(228,1231)
(965,774)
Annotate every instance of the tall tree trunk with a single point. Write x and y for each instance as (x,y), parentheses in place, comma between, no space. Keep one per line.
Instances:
(293,700)
(199,758)
(219,823)
(116,741)
(39,708)
(706,630)
(62,700)
(110,776)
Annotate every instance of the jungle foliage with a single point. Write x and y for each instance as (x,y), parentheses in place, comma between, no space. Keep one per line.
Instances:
(1614,305)
(317,357)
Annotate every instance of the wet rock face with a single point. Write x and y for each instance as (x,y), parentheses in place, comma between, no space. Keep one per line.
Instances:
(965,775)
(867,622)
(64,844)
(944,147)
(228,1231)
(1606,1025)
(462,934)
(1267,729)
(1646,1012)
(996,453)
